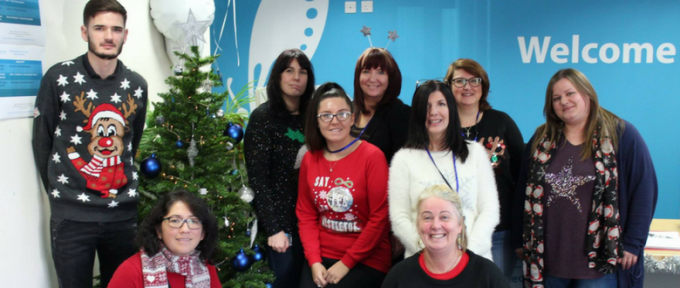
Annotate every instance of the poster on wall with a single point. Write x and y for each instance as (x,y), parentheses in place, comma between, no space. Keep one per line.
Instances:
(20,23)
(20,74)
(22,46)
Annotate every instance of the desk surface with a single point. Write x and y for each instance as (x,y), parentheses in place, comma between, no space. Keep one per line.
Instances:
(664,225)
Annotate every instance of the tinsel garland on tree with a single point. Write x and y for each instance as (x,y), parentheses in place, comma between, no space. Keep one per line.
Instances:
(196,146)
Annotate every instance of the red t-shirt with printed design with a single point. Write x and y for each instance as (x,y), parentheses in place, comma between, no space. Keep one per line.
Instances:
(342,208)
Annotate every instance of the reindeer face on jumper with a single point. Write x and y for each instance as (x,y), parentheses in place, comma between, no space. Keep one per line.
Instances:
(107,138)
(107,124)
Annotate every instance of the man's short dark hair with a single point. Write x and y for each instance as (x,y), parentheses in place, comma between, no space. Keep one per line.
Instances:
(95,6)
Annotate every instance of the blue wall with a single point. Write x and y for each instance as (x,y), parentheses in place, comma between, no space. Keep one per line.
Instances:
(434,33)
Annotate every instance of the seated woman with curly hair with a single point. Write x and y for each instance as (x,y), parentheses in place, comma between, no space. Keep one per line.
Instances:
(176,241)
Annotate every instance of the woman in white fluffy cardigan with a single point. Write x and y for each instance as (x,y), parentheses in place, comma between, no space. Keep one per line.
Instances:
(436,153)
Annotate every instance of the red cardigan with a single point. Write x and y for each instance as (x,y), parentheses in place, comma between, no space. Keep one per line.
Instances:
(355,232)
(129,275)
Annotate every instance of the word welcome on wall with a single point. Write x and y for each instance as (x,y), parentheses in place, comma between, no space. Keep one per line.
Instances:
(607,53)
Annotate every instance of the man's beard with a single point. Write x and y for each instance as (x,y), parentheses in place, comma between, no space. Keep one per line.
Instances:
(93,49)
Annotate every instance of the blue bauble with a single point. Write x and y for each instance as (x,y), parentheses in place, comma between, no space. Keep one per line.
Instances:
(150,166)
(259,253)
(248,233)
(268,285)
(241,262)
(179,144)
(233,172)
(234,131)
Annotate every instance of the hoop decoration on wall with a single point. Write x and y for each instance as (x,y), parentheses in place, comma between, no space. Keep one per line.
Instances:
(182,23)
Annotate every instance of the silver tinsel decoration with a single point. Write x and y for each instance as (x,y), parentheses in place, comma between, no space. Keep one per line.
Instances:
(220,113)
(226,222)
(147,194)
(253,232)
(246,193)
(192,152)
(668,264)
(207,85)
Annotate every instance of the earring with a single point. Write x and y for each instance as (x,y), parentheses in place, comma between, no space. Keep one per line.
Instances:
(419,243)
(460,240)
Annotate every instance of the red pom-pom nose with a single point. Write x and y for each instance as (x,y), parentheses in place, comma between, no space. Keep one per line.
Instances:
(105,142)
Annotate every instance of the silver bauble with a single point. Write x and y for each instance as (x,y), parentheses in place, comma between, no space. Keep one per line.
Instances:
(246,194)
(178,70)
(160,120)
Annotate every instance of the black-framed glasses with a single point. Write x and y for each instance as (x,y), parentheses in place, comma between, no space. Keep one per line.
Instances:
(177,222)
(328,117)
(421,81)
(460,82)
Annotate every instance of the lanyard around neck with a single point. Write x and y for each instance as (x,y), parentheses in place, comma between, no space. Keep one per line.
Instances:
(353,141)
(455,170)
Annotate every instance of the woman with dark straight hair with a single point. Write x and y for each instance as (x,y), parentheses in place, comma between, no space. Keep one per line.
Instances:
(271,144)
(342,202)
(381,118)
(587,167)
(437,153)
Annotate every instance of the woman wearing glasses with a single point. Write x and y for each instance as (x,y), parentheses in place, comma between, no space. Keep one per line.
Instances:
(587,167)
(381,118)
(271,144)
(177,240)
(504,144)
(436,153)
(342,200)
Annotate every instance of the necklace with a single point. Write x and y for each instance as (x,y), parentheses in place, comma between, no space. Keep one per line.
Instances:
(460,256)
(467,130)
(333,166)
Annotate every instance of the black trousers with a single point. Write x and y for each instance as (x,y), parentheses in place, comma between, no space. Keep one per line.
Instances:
(74,244)
(358,277)
(287,266)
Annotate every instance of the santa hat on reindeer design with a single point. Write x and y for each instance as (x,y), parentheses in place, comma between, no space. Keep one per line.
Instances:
(103,111)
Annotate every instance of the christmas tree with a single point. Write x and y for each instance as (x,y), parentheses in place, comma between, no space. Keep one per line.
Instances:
(192,143)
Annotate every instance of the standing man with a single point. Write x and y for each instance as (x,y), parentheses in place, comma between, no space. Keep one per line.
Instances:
(88,120)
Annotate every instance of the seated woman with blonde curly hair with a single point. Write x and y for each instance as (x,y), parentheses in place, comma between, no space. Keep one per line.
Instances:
(445,260)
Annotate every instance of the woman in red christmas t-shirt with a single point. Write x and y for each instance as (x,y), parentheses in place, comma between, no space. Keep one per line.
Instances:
(342,200)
